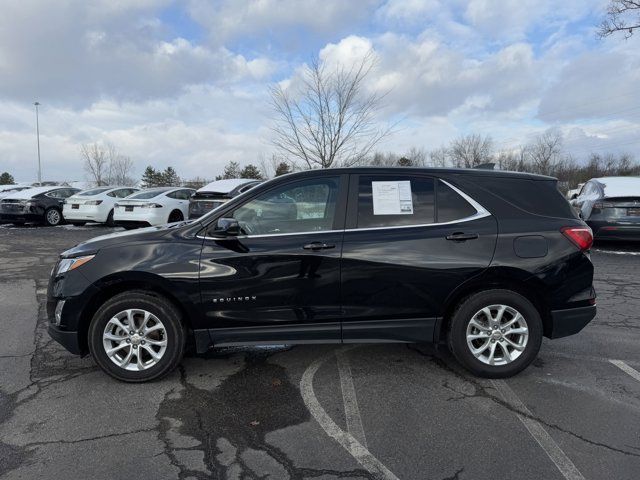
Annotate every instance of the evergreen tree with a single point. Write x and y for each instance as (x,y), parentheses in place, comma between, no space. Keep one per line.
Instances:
(6,179)
(251,171)
(231,170)
(151,178)
(170,178)
(282,168)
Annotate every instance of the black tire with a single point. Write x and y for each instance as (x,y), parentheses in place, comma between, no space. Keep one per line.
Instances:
(50,216)
(110,222)
(472,305)
(175,216)
(164,310)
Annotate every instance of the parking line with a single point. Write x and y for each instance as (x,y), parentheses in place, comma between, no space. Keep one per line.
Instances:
(358,451)
(626,368)
(537,431)
(351,409)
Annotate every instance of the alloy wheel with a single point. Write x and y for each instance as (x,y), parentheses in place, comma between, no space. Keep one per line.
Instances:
(135,339)
(53,217)
(497,334)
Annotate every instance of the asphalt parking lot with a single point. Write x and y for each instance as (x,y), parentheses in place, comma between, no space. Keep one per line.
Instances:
(366,411)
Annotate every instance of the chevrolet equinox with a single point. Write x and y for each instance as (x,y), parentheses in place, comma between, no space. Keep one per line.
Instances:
(486,262)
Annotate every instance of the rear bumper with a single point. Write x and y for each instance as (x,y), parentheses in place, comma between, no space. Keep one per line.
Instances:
(570,321)
(615,231)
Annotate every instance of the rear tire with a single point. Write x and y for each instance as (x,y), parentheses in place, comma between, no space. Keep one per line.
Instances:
(137,323)
(175,216)
(495,333)
(53,217)
(110,222)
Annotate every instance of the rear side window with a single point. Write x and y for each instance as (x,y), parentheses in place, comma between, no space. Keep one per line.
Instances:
(451,205)
(540,197)
(395,200)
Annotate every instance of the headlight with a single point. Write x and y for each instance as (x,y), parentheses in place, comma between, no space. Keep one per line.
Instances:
(67,264)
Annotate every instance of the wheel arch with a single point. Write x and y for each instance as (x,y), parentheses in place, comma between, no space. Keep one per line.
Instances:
(505,278)
(150,284)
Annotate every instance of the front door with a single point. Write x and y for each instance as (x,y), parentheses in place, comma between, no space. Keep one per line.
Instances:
(410,241)
(280,279)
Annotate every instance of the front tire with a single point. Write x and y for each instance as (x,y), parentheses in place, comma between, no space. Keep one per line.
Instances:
(110,222)
(495,333)
(137,337)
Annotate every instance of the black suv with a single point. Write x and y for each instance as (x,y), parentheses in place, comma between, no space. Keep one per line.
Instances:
(38,204)
(485,262)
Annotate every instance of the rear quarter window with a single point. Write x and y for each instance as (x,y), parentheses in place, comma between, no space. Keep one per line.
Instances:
(540,197)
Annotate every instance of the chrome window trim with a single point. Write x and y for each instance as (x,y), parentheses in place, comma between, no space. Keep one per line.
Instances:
(481,212)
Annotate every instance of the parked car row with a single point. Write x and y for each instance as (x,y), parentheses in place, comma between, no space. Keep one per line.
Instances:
(128,207)
(611,207)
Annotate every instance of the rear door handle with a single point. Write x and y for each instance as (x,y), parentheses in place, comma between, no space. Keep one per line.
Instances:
(461,237)
(318,246)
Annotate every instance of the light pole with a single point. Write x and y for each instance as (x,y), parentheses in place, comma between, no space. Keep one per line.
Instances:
(37,104)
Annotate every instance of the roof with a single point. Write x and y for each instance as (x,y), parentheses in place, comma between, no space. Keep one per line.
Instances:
(473,172)
(227,185)
(31,192)
(620,186)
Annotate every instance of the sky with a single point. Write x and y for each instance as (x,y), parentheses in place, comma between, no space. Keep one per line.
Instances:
(185,83)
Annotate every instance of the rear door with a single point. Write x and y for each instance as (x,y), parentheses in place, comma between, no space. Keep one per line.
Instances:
(410,241)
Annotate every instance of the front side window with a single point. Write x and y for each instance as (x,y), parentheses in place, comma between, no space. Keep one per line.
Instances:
(395,200)
(305,206)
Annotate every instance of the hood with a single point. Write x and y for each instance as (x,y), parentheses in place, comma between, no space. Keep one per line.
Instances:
(129,236)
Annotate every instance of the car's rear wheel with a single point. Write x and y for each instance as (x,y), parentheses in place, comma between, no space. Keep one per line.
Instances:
(495,333)
(110,222)
(175,216)
(52,217)
(137,337)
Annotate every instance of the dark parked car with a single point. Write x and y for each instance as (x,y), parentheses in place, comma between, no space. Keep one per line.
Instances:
(486,262)
(218,193)
(611,207)
(38,204)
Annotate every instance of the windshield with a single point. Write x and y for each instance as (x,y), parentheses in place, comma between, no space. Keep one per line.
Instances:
(147,194)
(95,191)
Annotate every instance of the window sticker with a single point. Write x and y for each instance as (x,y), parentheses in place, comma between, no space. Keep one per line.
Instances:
(392,198)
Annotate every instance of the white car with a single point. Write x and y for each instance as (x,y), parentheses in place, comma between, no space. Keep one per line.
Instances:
(155,206)
(95,205)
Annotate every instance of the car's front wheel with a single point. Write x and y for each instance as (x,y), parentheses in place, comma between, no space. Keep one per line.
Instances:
(137,337)
(495,333)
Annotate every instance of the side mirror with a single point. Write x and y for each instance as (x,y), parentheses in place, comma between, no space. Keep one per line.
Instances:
(227,227)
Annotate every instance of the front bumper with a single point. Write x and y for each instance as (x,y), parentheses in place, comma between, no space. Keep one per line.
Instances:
(20,217)
(571,320)
(69,339)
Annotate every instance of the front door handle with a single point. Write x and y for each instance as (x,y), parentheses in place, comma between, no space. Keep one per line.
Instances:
(461,237)
(318,246)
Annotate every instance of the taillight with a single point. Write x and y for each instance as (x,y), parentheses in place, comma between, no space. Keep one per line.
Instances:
(582,237)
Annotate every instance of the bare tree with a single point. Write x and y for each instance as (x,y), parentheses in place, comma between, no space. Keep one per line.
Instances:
(103,165)
(439,157)
(471,150)
(96,164)
(416,156)
(329,119)
(545,152)
(622,16)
